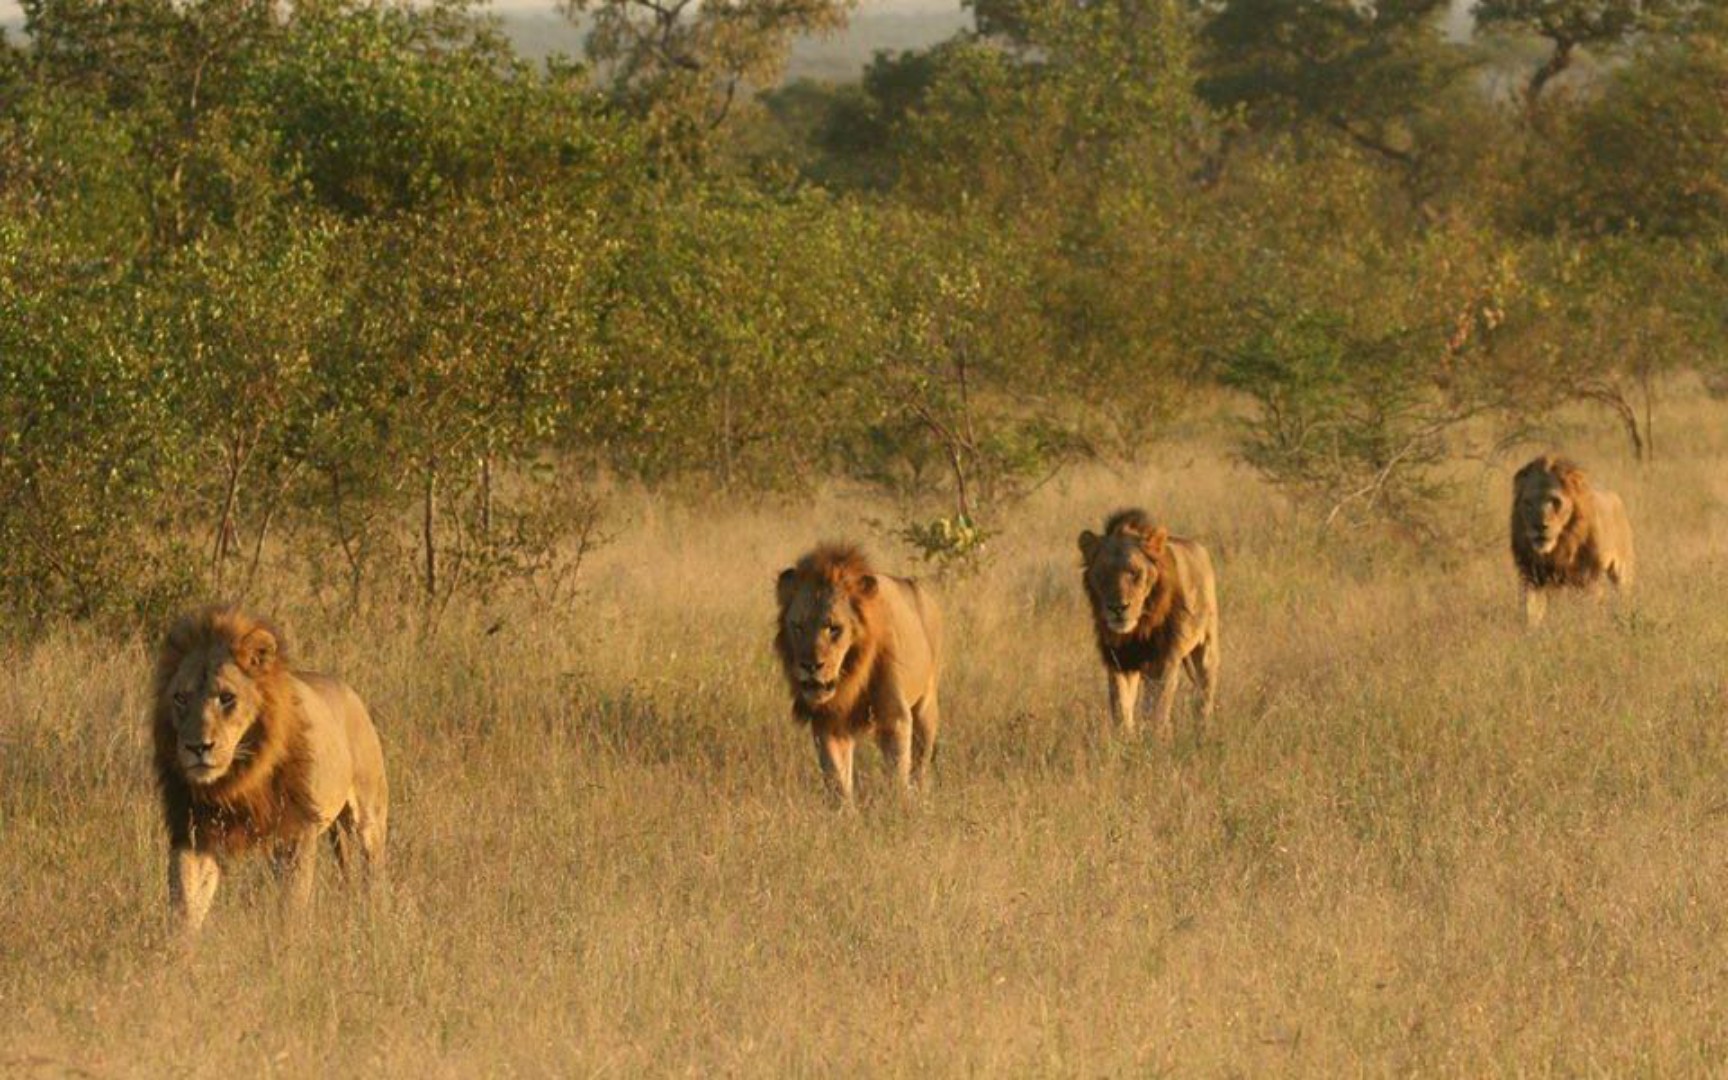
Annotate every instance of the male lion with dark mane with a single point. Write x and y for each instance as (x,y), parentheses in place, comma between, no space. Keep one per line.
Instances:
(1155,612)
(1566,533)
(251,754)
(861,652)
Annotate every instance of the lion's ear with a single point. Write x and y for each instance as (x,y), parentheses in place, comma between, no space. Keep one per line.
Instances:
(181,635)
(1153,545)
(865,586)
(1545,463)
(257,652)
(785,586)
(1089,542)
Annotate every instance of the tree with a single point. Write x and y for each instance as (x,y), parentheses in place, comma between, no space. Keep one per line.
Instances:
(1650,152)
(1366,72)
(960,378)
(382,109)
(90,447)
(234,322)
(1571,25)
(683,64)
(850,131)
(1086,105)
(466,346)
(168,74)
(1365,356)
(1629,215)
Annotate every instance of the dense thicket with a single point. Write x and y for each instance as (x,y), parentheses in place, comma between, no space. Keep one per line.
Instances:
(358,278)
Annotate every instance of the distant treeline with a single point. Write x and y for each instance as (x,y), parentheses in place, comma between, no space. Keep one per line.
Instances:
(359,278)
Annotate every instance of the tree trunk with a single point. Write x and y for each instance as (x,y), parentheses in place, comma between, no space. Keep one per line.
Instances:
(225,526)
(350,548)
(258,544)
(486,498)
(1649,417)
(969,433)
(428,531)
(726,436)
(1558,61)
(1628,420)
(961,494)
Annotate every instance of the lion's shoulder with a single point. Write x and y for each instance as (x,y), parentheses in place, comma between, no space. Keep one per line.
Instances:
(908,613)
(1197,577)
(1611,527)
(1191,556)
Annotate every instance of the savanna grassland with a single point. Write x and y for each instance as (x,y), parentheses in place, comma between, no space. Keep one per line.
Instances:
(1416,840)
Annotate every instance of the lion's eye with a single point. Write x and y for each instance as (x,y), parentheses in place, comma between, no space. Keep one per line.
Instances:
(833,631)
(226,699)
(180,698)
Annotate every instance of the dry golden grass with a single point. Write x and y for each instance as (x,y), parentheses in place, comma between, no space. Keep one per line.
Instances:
(1416,840)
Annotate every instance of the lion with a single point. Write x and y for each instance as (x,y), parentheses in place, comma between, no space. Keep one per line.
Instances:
(862,653)
(251,754)
(1154,604)
(1566,533)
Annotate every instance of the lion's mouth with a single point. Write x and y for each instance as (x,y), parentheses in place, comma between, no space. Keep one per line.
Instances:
(815,689)
(203,772)
(1542,543)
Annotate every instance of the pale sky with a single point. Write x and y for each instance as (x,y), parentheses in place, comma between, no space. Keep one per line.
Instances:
(10,12)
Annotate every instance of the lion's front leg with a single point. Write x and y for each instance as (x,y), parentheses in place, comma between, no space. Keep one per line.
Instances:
(1619,575)
(1124,699)
(926,722)
(192,880)
(1534,603)
(834,751)
(894,736)
(1166,677)
(296,862)
(1203,663)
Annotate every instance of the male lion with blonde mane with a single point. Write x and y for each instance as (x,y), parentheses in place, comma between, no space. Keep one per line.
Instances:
(251,754)
(1566,534)
(861,652)
(1155,612)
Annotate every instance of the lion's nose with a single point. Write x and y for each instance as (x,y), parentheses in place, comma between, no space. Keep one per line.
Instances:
(812,667)
(1119,609)
(201,748)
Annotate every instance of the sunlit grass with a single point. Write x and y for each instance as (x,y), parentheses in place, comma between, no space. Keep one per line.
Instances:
(1415,840)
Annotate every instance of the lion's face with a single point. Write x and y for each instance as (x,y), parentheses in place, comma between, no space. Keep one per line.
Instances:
(214,706)
(1545,508)
(821,626)
(1122,569)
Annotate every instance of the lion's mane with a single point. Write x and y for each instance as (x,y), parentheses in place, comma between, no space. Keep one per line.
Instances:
(1151,637)
(1575,559)
(839,566)
(265,794)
